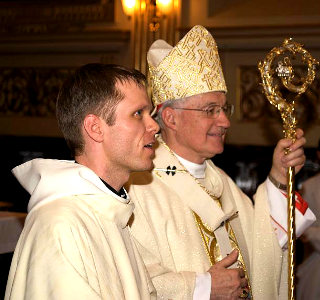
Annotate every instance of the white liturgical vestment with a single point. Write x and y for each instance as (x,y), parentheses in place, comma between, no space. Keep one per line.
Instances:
(75,243)
(168,237)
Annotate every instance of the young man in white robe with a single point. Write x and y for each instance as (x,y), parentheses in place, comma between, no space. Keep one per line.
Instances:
(75,243)
(200,236)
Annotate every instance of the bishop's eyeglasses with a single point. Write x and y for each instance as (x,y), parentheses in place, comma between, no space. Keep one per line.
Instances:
(213,111)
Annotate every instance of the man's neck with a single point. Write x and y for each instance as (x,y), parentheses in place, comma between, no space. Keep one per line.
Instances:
(196,170)
(121,193)
(114,178)
(175,146)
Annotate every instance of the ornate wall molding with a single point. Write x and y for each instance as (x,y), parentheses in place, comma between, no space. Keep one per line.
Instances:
(31,16)
(250,38)
(253,105)
(30,92)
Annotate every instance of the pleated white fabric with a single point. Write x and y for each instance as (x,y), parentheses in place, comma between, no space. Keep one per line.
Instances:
(168,238)
(75,243)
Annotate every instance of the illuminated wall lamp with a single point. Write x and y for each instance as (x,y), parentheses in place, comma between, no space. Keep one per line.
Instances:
(147,16)
(163,6)
(128,7)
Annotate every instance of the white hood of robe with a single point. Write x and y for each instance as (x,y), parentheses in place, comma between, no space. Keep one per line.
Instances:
(50,179)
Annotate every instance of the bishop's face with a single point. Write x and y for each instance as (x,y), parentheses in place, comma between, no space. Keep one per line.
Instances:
(198,136)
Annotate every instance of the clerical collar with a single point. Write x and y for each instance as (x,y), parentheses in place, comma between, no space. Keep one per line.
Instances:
(122,192)
(196,170)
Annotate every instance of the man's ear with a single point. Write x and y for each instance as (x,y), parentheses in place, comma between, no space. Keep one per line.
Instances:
(169,117)
(93,127)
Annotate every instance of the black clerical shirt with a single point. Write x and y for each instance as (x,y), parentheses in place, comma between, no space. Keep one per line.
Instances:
(121,193)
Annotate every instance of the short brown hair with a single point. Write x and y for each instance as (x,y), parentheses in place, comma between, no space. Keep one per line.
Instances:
(91,90)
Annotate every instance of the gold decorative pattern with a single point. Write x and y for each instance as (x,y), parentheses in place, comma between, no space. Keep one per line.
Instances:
(29,17)
(252,105)
(285,73)
(210,242)
(30,91)
(207,235)
(192,67)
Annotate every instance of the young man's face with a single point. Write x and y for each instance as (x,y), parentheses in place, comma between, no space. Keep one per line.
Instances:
(129,142)
(198,136)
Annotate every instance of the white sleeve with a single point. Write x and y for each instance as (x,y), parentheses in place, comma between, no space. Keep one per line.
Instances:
(278,211)
(202,288)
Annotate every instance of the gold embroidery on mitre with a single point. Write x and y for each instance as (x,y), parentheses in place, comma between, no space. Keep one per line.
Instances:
(192,67)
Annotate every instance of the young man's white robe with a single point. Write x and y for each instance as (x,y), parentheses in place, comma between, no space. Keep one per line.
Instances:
(75,243)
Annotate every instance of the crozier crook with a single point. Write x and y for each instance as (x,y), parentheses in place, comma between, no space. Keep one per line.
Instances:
(284,70)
